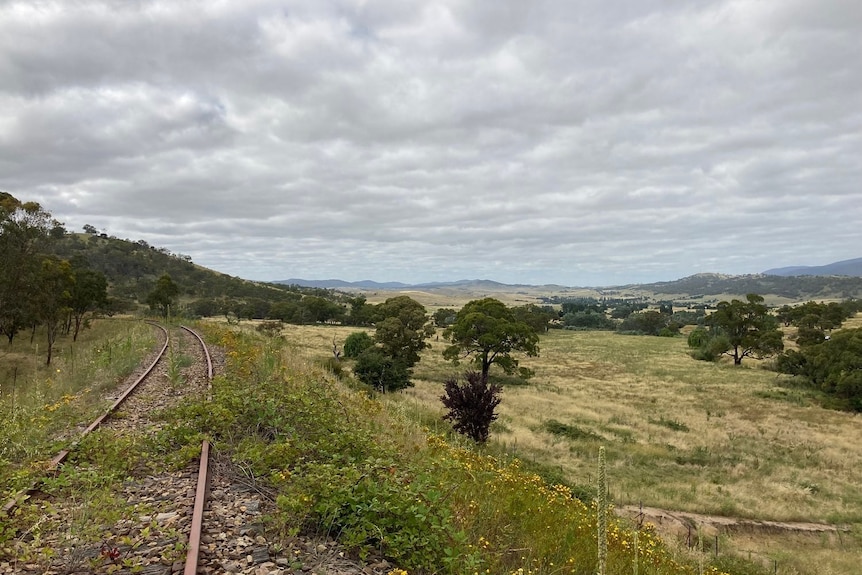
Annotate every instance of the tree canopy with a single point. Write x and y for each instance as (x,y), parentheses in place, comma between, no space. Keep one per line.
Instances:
(833,366)
(89,292)
(53,298)
(749,328)
(25,231)
(164,295)
(487,330)
(376,369)
(402,328)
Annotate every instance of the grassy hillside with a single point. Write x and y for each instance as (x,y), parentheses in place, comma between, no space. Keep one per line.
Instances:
(132,269)
(680,435)
(794,288)
(340,463)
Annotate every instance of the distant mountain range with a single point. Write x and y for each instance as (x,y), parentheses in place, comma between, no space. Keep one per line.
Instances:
(369,284)
(843,268)
(852,268)
(840,279)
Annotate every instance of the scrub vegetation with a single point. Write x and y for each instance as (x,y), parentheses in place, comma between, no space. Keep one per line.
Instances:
(704,437)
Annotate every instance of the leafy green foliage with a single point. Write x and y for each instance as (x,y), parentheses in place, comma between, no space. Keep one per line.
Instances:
(317,309)
(26,232)
(88,293)
(623,310)
(748,327)
(588,319)
(380,371)
(537,317)
(706,345)
(402,329)
(650,322)
(444,317)
(375,505)
(814,319)
(51,302)
(833,366)
(361,312)
(487,331)
(384,361)
(335,473)
(356,343)
(471,405)
(164,295)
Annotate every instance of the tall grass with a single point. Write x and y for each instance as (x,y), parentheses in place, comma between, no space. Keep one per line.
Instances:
(680,434)
(349,466)
(41,405)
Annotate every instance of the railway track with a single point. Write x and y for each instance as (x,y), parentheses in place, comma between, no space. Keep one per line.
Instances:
(164,510)
(204,518)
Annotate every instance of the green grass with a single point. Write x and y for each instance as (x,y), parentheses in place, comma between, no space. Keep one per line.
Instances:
(367,470)
(659,411)
(679,434)
(39,404)
(748,440)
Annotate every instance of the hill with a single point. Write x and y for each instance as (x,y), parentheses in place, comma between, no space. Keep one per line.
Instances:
(843,268)
(695,287)
(373,285)
(132,268)
(791,287)
(341,284)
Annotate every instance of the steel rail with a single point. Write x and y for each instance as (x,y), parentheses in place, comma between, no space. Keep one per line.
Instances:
(61,457)
(206,353)
(202,490)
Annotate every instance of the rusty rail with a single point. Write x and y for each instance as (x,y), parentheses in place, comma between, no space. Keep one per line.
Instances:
(202,490)
(61,457)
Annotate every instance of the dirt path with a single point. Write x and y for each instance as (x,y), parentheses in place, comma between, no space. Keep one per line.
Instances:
(681,524)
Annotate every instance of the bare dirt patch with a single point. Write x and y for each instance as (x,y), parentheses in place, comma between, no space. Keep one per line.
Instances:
(680,524)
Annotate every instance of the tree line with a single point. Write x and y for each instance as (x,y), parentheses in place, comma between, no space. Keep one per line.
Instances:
(827,359)
(37,288)
(483,333)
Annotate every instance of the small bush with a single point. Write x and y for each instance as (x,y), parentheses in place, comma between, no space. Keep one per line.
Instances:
(356,343)
(669,423)
(333,366)
(270,328)
(698,337)
(709,349)
(555,427)
(471,405)
(380,371)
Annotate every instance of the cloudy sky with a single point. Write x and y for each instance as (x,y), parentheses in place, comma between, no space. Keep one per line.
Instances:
(579,142)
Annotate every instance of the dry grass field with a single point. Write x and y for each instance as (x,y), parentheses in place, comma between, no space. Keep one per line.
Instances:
(680,435)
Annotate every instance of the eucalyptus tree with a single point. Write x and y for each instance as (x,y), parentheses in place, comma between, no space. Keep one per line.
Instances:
(750,329)
(488,332)
(25,232)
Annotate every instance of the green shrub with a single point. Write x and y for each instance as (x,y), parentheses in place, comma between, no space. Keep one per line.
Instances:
(333,366)
(709,349)
(669,423)
(381,372)
(555,427)
(356,343)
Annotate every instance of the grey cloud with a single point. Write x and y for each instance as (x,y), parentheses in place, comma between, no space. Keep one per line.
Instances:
(569,142)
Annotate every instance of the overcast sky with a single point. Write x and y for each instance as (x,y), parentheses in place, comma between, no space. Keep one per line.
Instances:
(562,141)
